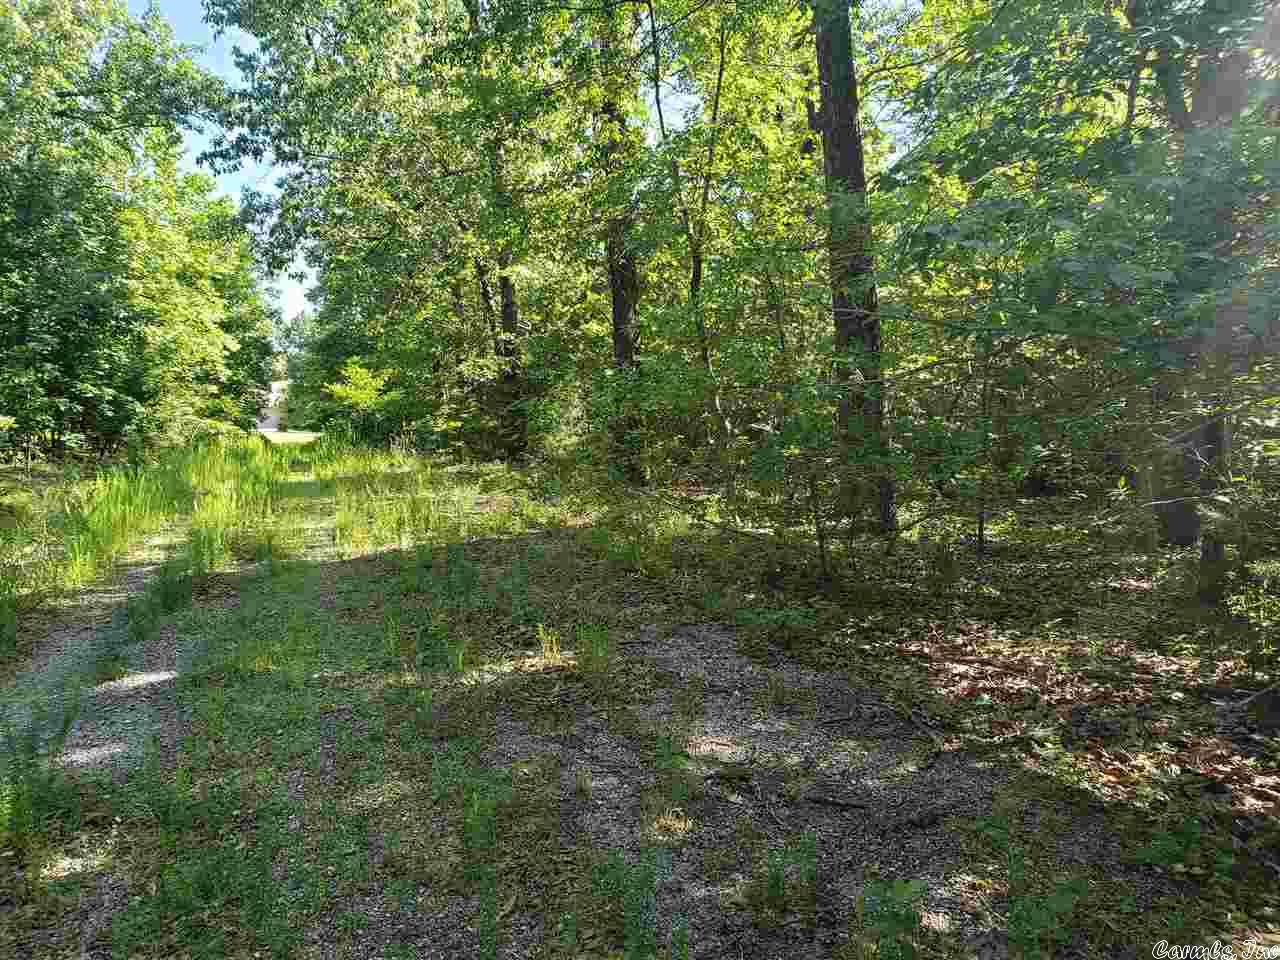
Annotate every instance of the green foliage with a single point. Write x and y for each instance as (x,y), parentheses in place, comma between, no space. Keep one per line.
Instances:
(1036,919)
(595,648)
(130,307)
(8,624)
(33,790)
(630,890)
(1057,298)
(889,912)
(1186,847)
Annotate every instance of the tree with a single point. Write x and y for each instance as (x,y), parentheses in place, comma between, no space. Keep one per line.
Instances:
(128,289)
(854,307)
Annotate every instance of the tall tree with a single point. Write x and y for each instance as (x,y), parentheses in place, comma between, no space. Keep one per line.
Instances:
(854,307)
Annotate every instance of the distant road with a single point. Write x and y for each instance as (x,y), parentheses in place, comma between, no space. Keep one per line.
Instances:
(269,425)
(288,436)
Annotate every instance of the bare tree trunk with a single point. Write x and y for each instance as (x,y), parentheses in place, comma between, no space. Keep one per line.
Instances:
(854,304)
(624,291)
(624,281)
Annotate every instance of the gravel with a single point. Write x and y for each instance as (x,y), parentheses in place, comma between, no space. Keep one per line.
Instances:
(115,722)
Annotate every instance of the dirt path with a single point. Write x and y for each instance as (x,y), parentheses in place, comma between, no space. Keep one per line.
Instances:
(388,754)
(84,662)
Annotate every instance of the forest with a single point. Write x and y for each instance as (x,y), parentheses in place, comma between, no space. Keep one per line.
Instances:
(757,478)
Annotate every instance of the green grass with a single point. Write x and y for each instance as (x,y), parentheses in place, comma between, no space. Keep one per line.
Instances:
(74,530)
(359,613)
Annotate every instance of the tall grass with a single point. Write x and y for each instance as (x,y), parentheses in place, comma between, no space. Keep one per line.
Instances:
(77,531)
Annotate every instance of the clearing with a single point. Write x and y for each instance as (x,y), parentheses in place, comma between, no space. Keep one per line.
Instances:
(379,706)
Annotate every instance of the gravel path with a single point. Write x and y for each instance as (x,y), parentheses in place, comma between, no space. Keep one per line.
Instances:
(116,721)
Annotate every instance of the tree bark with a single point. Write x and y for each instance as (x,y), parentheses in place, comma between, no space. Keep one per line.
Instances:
(854,304)
(624,276)
(486,300)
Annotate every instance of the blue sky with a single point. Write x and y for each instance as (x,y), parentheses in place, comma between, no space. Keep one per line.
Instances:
(189,26)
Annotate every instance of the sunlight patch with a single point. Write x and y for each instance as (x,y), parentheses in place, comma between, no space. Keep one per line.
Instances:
(381,795)
(134,680)
(64,867)
(84,756)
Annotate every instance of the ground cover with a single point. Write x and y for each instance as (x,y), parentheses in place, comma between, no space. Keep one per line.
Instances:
(367,704)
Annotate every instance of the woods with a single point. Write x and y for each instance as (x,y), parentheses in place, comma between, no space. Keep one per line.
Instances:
(130,304)
(1029,250)
(780,478)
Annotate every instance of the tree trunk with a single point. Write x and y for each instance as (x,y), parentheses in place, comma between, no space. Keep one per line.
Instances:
(854,306)
(511,412)
(486,300)
(624,292)
(623,271)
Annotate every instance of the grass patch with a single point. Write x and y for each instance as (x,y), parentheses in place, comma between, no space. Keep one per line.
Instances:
(419,695)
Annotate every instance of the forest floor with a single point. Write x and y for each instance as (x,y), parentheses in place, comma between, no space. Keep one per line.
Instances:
(427,710)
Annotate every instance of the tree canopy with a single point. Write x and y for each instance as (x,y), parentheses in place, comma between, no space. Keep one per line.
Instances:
(131,305)
(839,259)
(850,265)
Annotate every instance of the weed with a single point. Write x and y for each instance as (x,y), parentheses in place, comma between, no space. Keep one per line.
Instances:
(142,618)
(435,649)
(719,860)
(771,891)
(511,592)
(785,626)
(206,548)
(1037,920)
(8,625)
(33,790)
(480,818)
(108,666)
(549,642)
(775,884)
(887,919)
(671,761)
(487,926)
(680,942)
(567,931)
(1186,847)
(778,691)
(805,857)
(206,894)
(449,771)
(1034,918)
(396,646)
(630,889)
(690,700)
(171,588)
(595,649)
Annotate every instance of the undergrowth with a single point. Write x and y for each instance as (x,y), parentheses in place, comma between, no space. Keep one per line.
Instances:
(360,668)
